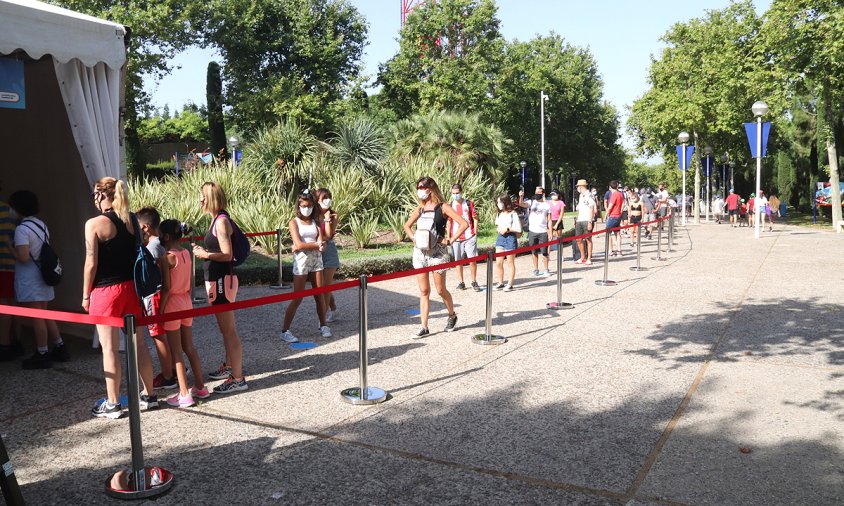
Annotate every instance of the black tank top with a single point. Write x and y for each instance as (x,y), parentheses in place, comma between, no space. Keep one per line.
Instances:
(215,270)
(116,256)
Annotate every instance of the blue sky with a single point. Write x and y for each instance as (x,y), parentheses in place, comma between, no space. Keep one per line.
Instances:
(622,34)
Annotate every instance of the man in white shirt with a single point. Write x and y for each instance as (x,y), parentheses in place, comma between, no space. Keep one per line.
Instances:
(586,211)
(539,226)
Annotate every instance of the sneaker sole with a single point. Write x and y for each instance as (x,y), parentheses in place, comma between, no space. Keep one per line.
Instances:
(110,416)
(195,396)
(231,390)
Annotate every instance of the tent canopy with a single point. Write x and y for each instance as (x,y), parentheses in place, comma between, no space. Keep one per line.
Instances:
(38,28)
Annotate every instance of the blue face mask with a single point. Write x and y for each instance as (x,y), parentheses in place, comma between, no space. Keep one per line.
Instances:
(456,196)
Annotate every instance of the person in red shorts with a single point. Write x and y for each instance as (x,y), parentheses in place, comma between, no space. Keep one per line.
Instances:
(108,288)
(733,207)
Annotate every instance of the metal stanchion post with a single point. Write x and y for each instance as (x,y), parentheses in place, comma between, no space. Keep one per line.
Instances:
(138,488)
(487,337)
(639,250)
(193,274)
(605,281)
(658,256)
(670,231)
(280,285)
(363,394)
(559,304)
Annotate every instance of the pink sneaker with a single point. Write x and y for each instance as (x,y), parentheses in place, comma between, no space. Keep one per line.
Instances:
(200,393)
(579,261)
(177,401)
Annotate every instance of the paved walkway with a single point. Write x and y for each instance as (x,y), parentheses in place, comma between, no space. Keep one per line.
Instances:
(716,377)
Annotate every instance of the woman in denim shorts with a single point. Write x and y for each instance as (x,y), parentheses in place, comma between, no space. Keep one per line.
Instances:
(509,228)
(327,221)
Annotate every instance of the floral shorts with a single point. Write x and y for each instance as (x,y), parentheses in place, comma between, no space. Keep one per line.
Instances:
(436,256)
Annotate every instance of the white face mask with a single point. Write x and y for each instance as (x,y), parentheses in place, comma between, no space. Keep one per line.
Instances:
(325,204)
(306,211)
(555,197)
(500,206)
(423,194)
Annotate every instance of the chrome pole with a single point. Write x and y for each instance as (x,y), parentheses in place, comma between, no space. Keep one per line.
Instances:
(605,281)
(559,304)
(280,284)
(487,337)
(133,385)
(639,250)
(363,394)
(658,256)
(193,273)
(670,231)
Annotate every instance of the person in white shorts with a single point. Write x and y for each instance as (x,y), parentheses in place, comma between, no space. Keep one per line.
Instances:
(466,245)
(308,245)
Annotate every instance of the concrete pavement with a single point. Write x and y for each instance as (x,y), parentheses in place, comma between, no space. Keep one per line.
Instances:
(716,377)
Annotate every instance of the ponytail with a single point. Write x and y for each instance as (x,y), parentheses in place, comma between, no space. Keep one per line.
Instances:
(121,201)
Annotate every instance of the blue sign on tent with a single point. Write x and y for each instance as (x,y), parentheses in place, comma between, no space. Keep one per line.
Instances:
(12,89)
(750,128)
(690,151)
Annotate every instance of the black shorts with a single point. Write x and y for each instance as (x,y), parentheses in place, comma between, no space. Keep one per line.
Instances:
(623,215)
(734,212)
(635,219)
(559,226)
(538,238)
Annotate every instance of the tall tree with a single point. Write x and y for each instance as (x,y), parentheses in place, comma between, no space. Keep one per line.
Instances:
(805,43)
(285,58)
(581,130)
(703,83)
(449,55)
(158,32)
(214,101)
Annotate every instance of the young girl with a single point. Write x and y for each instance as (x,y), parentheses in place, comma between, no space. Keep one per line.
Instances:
(330,257)
(175,296)
(308,246)
(509,228)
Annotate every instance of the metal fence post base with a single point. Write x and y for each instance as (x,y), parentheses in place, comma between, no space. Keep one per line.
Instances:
(363,394)
(605,281)
(559,304)
(141,482)
(487,338)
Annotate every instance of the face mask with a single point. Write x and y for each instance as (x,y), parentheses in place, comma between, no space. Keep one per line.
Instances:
(538,196)
(500,206)
(456,196)
(423,194)
(555,197)
(325,204)
(306,211)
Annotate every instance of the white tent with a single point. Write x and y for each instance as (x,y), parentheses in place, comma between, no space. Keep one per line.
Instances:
(70,132)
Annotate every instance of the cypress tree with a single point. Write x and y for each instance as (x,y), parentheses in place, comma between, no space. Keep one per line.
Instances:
(214,99)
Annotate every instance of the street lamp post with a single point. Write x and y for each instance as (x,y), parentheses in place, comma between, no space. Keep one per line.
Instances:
(759,109)
(732,174)
(542,98)
(724,165)
(234,142)
(709,162)
(684,139)
(523,164)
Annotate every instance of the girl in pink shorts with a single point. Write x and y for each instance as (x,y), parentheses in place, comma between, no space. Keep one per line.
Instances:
(175,297)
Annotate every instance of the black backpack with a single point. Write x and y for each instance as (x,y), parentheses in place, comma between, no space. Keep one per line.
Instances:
(48,262)
(147,274)
(240,243)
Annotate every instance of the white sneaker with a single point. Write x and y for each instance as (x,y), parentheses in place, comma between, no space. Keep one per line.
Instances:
(547,273)
(329,316)
(288,337)
(508,288)
(325,331)
(534,273)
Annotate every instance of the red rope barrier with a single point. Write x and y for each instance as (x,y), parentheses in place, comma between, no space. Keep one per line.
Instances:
(401,274)
(62,316)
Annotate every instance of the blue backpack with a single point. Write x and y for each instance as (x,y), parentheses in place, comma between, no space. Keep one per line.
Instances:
(240,243)
(147,275)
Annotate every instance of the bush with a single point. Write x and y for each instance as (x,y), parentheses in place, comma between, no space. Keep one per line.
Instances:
(394,221)
(363,227)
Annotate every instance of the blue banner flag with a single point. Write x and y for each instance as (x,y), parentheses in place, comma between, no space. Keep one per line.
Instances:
(690,151)
(708,163)
(750,128)
(12,90)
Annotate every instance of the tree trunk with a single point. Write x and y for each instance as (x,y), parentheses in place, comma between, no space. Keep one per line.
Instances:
(832,153)
(214,101)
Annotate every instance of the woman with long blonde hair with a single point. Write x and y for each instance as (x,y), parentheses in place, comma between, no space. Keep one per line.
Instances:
(108,289)
(431,244)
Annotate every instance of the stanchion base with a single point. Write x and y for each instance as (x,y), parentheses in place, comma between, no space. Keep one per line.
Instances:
(638,269)
(601,282)
(553,306)
(659,259)
(373,396)
(118,485)
(283,286)
(486,340)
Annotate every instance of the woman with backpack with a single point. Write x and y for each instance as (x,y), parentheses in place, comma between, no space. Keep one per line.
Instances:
(108,288)
(221,284)
(31,289)
(431,247)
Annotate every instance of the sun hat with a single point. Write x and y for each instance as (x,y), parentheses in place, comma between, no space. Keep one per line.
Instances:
(581,182)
